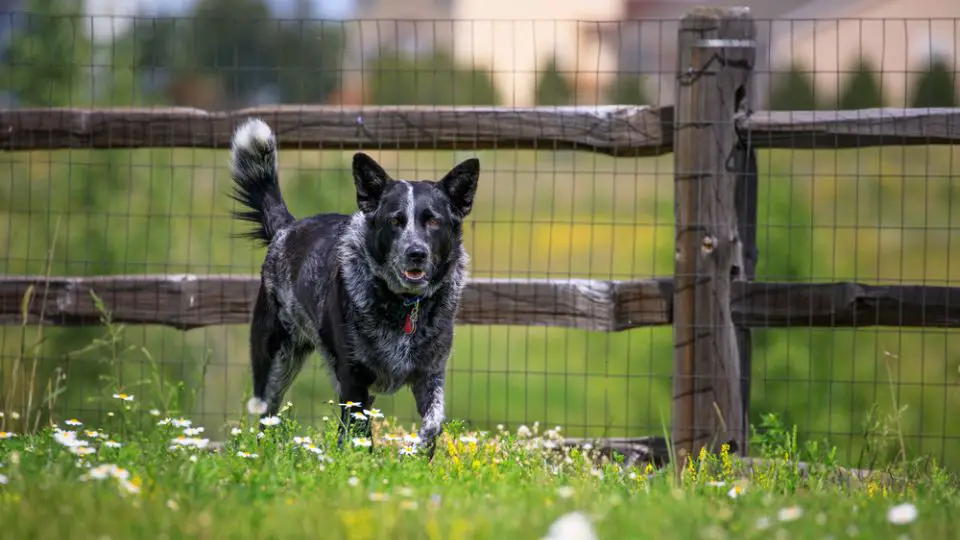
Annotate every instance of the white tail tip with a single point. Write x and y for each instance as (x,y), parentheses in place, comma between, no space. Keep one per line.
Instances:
(254,134)
(256,406)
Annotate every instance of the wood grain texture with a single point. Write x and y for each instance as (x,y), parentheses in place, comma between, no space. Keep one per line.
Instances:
(614,130)
(707,403)
(618,130)
(196,301)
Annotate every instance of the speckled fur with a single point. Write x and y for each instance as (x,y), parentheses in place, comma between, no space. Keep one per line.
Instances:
(330,282)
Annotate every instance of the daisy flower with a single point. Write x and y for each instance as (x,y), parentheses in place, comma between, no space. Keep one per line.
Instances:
(154,412)
(190,432)
(270,420)
(81,450)
(123,397)
(408,450)
(181,423)
(302,440)
(7,435)
(358,416)
(379,497)
(353,481)
(236,431)
(350,405)
(411,438)
(73,422)
(790,513)
(362,441)
(247,455)
(4,479)
(735,492)
(468,439)
(902,514)
(373,413)
(93,434)
(112,444)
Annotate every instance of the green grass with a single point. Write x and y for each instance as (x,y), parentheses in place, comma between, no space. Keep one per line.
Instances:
(480,485)
(143,470)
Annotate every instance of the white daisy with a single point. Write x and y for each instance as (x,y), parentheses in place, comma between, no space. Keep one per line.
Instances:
(358,416)
(247,455)
(73,422)
(123,397)
(236,431)
(362,441)
(790,513)
(6,435)
(270,420)
(373,413)
(112,444)
(902,514)
(190,432)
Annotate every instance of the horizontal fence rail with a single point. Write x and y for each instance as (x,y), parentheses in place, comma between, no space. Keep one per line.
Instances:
(614,130)
(195,301)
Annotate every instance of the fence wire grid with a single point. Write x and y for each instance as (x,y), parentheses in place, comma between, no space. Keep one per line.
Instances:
(876,216)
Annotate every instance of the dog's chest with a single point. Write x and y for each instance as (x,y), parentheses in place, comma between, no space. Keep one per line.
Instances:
(395,358)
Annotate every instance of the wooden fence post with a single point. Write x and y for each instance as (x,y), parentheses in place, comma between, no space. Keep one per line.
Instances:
(716,48)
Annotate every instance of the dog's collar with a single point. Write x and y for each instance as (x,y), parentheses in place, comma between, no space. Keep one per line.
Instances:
(410,321)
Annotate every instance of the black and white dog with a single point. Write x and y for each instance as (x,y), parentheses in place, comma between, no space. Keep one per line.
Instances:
(375,293)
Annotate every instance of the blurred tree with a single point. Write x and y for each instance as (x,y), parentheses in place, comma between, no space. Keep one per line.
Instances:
(936,87)
(553,88)
(627,89)
(862,89)
(793,91)
(43,63)
(234,53)
(433,79)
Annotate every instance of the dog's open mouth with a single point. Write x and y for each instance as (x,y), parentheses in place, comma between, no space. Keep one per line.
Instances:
(414,274)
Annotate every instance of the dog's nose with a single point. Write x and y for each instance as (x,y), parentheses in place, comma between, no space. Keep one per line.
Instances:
(417,256)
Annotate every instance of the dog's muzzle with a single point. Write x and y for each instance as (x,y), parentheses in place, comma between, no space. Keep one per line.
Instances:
(415,269)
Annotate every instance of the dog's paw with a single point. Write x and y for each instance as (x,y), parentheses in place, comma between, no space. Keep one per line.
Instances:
(256,406)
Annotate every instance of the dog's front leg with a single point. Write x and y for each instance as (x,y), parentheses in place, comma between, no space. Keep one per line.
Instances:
(428,393)
(354,386)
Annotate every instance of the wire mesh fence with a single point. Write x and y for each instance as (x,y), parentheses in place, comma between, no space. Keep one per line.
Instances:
(876,216)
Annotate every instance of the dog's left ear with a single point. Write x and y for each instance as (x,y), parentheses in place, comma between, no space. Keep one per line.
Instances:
(460,185)
(370,180)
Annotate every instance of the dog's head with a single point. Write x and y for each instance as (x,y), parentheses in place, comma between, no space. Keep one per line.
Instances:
(414,227)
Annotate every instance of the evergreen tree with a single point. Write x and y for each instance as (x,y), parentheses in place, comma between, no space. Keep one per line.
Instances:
(43,61)
(793,91)
(862,89)
(432,79)
(553,88)
(627,89)
(936,87)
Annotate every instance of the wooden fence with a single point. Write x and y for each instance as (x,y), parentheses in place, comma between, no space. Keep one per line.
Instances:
(711,301)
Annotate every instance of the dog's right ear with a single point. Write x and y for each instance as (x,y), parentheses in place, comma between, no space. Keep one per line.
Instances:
(370,180)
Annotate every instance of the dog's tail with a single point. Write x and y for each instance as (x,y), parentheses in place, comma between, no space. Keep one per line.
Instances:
(253,166)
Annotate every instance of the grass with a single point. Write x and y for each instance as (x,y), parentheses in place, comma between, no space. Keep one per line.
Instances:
(272,482)
(149,472)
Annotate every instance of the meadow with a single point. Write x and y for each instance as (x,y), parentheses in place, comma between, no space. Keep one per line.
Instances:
(873,215)
(278,479)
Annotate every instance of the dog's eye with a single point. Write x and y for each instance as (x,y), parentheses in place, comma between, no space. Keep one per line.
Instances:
(394,222)
(433,223)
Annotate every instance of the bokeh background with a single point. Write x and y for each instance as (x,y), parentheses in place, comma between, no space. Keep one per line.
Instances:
(877,215)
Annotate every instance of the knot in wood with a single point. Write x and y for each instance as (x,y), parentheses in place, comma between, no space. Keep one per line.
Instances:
(707,244)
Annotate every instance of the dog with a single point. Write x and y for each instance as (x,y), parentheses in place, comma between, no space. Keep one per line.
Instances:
(376,293)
